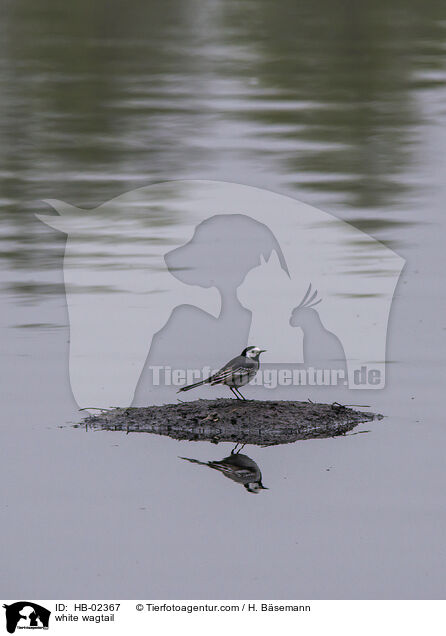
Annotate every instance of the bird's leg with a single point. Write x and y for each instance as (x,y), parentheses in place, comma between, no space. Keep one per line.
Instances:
(233,390)
(238,391)
(233,452)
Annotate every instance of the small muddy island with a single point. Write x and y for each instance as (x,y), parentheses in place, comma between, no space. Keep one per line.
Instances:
(264,423)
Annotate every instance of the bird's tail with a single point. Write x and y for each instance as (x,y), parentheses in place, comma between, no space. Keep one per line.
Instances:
(194,461)
(192,386)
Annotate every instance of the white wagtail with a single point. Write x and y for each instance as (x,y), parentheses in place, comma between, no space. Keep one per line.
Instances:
(237,372)
(240,468)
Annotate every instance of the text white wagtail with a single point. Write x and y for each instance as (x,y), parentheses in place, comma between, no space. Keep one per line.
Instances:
(237,372)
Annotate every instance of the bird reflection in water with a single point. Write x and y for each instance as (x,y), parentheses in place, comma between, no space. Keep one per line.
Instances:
(238,467)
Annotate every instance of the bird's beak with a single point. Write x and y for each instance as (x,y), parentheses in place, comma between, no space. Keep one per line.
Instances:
(263,350)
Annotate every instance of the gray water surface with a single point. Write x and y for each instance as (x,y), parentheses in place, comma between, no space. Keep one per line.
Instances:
(337,104)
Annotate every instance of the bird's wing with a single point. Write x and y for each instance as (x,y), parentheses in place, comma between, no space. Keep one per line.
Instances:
(241,473)
(224,468)
(225,374)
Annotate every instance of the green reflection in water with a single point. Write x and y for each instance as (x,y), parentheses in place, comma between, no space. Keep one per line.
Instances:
(99,97)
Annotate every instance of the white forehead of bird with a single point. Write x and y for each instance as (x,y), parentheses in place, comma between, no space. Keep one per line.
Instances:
(253,352)
(253,487)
